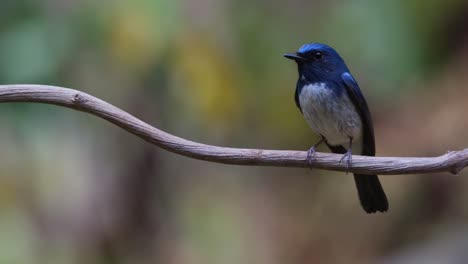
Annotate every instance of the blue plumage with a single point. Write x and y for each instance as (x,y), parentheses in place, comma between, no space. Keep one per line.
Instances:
(334,107)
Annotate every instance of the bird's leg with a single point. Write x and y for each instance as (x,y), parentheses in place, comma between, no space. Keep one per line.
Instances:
(348,156)
(311,151)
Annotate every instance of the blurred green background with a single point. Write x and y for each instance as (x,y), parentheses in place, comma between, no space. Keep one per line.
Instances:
(76,189)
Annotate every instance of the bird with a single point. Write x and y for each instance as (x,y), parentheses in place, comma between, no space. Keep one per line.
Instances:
(334,107)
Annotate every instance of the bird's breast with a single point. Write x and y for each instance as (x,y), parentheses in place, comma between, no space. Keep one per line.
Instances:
(330,113)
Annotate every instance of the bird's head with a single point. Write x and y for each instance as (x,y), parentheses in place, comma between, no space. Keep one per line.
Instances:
(318,62)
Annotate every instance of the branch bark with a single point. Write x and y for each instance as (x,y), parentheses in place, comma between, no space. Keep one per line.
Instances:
(452,162)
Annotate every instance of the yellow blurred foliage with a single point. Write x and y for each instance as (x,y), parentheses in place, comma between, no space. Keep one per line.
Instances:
(209,79)
(136,39)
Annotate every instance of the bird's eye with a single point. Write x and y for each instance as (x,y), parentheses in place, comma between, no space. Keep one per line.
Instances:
(318,55)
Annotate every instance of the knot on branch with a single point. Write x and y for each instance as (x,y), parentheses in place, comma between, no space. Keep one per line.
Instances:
(79,98)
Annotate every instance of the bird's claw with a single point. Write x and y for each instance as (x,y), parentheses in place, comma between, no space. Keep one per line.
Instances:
(348,158)
(310,156)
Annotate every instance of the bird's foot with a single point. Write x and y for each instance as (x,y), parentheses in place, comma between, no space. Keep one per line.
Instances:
(311,152)
(310,156)
(348,158)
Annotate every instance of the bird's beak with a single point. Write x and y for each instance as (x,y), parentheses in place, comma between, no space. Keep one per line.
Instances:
(293,56)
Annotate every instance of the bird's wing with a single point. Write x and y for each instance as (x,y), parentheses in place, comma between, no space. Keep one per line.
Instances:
(360,104)
(371,193)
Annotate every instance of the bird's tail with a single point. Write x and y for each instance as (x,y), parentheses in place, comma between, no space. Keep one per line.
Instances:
(371,193)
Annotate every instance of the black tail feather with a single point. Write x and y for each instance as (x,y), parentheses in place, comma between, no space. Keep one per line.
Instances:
(370,191)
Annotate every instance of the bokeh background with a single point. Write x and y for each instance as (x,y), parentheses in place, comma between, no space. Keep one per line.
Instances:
(76,189)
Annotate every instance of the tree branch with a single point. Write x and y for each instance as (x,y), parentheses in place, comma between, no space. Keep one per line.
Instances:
(452,162)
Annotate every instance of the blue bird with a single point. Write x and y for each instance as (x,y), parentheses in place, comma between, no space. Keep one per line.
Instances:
(332,104)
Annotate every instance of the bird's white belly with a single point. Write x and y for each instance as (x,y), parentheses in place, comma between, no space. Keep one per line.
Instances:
(329,114)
